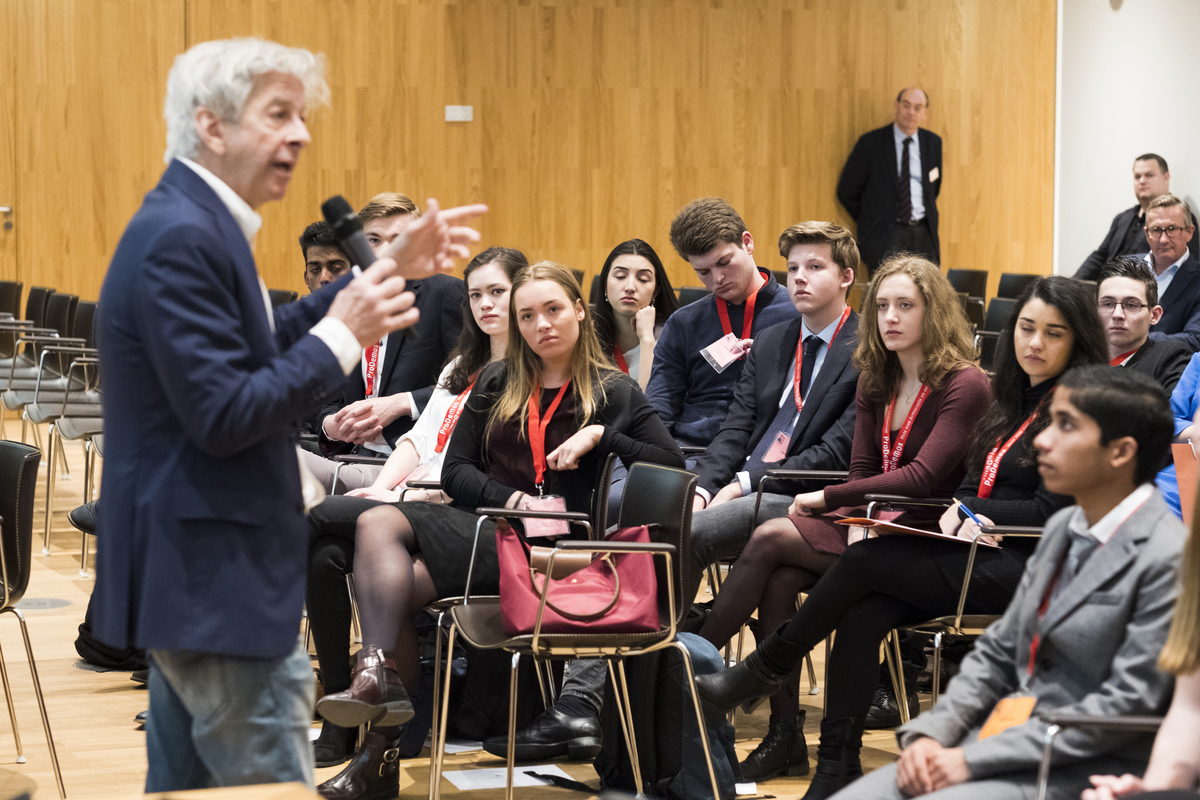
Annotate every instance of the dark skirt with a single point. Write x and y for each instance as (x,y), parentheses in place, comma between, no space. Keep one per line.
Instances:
(444,539)
(825,535)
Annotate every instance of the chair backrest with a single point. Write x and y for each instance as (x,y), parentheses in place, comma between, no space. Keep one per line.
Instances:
(85,317)
(998,311)
(18,478)
(971,281)
(661,495)
(599,510)
(578,273)
(690,294)
(10,297)
(60,312)
(281,297)
(35,305)
(597,291)
(1013,283)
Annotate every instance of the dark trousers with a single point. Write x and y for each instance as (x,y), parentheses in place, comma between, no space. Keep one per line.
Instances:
(914,239)
(883,583)
(331,528)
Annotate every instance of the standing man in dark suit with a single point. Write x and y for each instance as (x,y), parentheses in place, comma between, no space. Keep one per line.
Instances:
(891,181)
(1126,235)
(205,542)
(397,375)
(1128,302)
(1169,227)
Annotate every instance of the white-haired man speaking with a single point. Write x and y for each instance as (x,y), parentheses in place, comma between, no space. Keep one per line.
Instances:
(205,543)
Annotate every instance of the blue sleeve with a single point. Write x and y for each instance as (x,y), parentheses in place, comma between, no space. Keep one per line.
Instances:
(1183,399)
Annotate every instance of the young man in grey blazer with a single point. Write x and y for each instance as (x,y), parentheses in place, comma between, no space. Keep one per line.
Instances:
(1085,628)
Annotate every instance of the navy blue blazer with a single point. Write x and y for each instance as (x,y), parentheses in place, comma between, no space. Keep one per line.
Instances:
(824,433)
(1181,306)
(412,361)
(869,188)
(205,540)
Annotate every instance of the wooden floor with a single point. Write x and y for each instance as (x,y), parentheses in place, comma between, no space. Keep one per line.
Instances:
(102,752)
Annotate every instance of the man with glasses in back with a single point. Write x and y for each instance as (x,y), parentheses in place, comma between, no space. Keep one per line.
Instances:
(1169,227)
(1128,303)
(1125,236)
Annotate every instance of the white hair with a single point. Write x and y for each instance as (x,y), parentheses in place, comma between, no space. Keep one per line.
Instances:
(220,75)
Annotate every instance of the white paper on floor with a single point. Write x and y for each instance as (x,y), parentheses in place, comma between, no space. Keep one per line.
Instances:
(469,779)
(745,788)
(457,745)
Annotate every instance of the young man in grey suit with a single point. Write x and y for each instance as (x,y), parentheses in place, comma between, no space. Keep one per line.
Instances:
(1085,628)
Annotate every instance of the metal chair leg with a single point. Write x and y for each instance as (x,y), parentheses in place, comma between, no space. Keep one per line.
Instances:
(813,687)
(631,734)
(627,725)
(51,452)
(37,689)
(691,678)
(12,711)
(937,666)
(896,667)
(355,626)
(437,752)
(1044,767)
(88,451)
(512,724)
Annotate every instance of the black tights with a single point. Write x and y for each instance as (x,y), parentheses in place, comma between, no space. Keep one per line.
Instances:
(775,566)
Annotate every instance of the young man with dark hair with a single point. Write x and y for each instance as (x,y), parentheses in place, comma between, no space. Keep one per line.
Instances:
(701,352)
(794,405)
(1127,298)
(1083,631)
(324,259)
(1151,178)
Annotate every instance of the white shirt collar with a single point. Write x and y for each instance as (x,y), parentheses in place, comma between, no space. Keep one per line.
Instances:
(825,334)
(1103,530)
(1171,270)
(900,135)
(245,216)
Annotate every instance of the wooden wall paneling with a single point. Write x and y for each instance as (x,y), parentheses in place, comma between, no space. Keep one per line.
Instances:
(8,133)
(91,78)
(595,120)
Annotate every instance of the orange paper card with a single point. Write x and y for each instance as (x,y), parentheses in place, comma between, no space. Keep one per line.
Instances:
(1008,712)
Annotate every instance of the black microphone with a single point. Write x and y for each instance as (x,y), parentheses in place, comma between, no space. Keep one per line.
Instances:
(348,230)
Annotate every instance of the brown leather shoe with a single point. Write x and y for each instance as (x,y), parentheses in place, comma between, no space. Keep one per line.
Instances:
(374,774)
(376,694)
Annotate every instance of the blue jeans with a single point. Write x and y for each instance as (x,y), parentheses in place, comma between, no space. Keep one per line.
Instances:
(228,721)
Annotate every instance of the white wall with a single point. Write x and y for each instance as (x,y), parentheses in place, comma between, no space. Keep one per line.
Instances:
(1129,83)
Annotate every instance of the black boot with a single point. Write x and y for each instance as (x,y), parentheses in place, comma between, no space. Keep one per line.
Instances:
(374,774)
(759,675)
(837,757)
(334,745)
(781,751)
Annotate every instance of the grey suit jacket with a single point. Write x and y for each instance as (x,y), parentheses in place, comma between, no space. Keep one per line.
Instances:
(1100,643)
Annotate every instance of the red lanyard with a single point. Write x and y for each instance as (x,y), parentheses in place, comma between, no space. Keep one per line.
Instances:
(1119,360)
(451,419)
(799,357)
(371,354)
(891,458)
(747,320)
(987,481)
(620,358)
(537,430)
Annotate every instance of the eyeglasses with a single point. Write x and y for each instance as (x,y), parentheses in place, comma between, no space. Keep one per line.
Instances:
(1108,305)
(1171,231)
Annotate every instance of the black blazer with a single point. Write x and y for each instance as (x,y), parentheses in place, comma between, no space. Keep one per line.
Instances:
(1164,361)
(823,434)
(632,430)
(870,189)
(1121,242)
(440,300)
(1181,307)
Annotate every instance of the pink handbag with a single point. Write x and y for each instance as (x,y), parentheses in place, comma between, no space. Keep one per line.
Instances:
(609,593)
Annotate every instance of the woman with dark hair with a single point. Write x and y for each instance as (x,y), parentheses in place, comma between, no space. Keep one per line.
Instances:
(638,298)
(886,582)
(538,425)
(417,456)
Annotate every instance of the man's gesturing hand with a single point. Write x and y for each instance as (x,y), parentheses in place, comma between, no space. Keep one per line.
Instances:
(431,244)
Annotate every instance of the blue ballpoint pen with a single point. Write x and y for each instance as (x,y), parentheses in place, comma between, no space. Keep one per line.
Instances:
(969,513)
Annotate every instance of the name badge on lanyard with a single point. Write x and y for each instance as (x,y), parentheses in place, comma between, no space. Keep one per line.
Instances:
(729,348)
(537,444)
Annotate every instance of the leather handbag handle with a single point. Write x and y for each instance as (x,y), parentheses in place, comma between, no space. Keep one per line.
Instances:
(583,617)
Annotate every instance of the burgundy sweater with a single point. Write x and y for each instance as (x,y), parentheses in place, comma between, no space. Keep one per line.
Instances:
(931,464)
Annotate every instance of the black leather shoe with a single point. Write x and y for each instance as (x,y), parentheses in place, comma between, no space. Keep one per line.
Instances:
(782,751)
(885,711)
(335,744)
(373,774)
(551,735)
